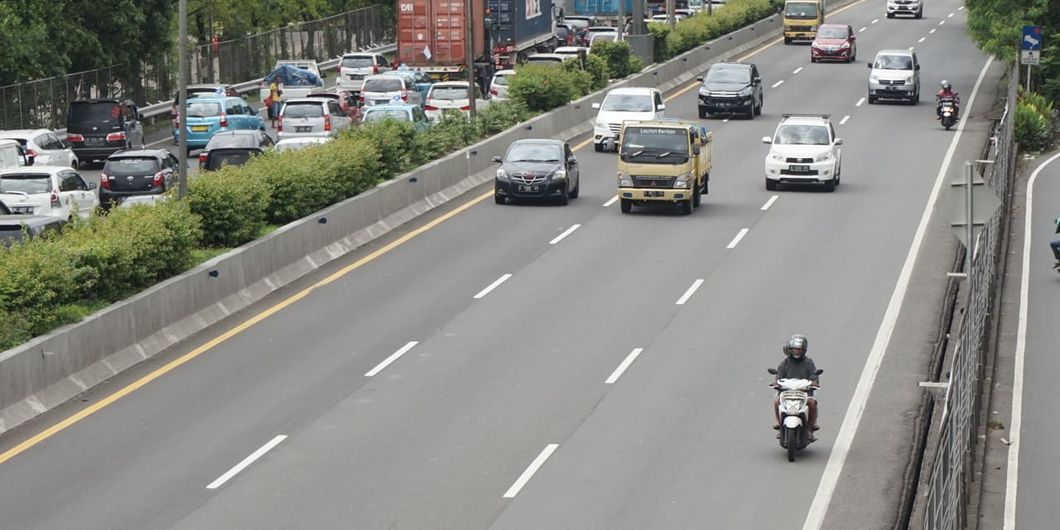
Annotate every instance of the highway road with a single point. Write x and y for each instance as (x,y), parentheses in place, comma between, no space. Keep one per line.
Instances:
(1034,461)
(488,373)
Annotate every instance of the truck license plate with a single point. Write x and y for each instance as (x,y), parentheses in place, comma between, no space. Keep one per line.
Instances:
(799,169)
(530,189)
(653,194)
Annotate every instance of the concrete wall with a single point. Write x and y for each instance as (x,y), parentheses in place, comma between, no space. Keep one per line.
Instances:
(54,368)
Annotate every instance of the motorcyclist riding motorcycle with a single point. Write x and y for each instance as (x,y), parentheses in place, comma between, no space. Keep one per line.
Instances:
(796,365)
(947,93)
(1055,244)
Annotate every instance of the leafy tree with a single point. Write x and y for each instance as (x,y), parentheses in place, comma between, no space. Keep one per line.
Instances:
(997,26)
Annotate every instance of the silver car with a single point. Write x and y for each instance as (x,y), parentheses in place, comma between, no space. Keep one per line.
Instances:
(895,74)
(386,89)
(311,117)
(354,67)
(43,147)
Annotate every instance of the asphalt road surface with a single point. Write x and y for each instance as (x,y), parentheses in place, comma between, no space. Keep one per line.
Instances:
(488,374)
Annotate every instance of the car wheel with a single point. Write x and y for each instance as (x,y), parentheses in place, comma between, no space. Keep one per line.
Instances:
(787,40)
(812,59)
(599,148)
(697,198)
(626,205)
(830,185)
(890,15)
(686,207)
(577,189)
(872,100)
(920,14)
(703,113)
(563,200)
(500,199)
(771,185)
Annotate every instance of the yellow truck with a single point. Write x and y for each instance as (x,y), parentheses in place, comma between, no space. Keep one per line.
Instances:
(801,19)
(663,161)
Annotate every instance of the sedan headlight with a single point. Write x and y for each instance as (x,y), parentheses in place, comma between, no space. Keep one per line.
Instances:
(704,92)
(814,44)
(559,174)
(827,155)
(845,45)
(624,181)
(502,175)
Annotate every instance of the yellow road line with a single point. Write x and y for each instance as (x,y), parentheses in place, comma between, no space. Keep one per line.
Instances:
(132,387)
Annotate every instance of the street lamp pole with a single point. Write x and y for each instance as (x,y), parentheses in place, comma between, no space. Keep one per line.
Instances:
(469,59)
(182,89)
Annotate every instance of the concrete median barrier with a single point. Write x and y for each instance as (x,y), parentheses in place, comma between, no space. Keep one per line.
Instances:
(54,368)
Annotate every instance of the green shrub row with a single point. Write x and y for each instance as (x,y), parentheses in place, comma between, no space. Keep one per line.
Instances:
(700,28)
(1033,121)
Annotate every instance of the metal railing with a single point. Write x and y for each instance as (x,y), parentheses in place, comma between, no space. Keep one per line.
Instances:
(239,62)
(948,490)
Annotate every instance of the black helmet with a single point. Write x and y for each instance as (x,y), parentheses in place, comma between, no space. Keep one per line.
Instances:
(797,343)
(945,85)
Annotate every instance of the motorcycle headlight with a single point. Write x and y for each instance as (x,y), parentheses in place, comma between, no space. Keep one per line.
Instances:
(827,155)
(792,406)
(502,175)
(624,181)
(559,174)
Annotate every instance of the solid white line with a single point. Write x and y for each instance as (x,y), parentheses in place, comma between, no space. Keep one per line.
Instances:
(845,436)
(622,367)
(933,30)
(565,233)
(770,202)
(875,20)
(1016,422)
(922,39)
(941,22)
(844,120)
(688,294)
(736,240)
(862,29)
(797,70)
(778,83)
(534,466)
(611,201)
(493,286)
(393,357)
(246,462)
(860,101)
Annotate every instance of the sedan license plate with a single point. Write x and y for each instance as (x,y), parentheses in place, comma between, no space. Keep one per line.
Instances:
(653,194)
(307,128)
(530,189)
(799,168)
(200,128)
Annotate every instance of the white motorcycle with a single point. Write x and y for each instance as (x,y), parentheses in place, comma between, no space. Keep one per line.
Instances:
(794,412)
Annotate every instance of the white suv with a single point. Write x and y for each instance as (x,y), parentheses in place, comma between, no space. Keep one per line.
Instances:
(905,7)
(804,150)
(622,104)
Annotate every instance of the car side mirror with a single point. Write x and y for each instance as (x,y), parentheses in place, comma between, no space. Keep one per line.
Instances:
(839,141)
(92,185)
(819,372)
(596,106)
(917,67)
(696,149)
(869,65)
(662,107)
(767,140)
(498,160)
(700,79)
(772,370)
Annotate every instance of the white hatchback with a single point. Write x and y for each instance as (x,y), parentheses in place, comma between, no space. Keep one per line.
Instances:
(622,104)
(450,97)
(43,147)
(48,190)
(499,84)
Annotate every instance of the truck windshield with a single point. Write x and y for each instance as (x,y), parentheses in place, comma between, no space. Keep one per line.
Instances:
(800,10)
(655,145)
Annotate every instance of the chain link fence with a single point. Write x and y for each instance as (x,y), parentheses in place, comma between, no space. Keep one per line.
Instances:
(44,103)
(948,491)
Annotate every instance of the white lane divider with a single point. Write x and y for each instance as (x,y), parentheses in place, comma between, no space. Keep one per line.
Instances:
(875,20)
(797,70)
(611,201)
(778,83)
(529,473)
(860,101)
(493,286)
(960,8)
(922,39)
(691,290)
(622,367)
(950,15)
(862,29)
(910,48)
(933,30)
(844,120)
(736,240)
(246,462)
(565,233)
(162,141)
(941,22)
(770,202)
(393,357)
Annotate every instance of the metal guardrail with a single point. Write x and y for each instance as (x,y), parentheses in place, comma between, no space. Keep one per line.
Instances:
(948,490)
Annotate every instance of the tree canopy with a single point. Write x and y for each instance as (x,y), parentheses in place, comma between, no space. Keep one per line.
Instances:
(997,26)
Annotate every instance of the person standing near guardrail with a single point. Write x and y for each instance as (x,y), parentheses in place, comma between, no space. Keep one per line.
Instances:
(273,103)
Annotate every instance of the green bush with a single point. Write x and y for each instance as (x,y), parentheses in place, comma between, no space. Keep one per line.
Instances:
(232,204)
(616,55)
(500,116)
(1033,126)
(542,88)
(391,139)
(36,277)
(597,68)
(701,28)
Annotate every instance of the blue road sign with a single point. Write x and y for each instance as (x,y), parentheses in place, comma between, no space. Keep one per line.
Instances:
(1032,38)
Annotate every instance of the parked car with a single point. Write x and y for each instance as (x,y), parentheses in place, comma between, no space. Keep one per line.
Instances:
(621,104)
(228,156)
(834,42)
(47,190)
(295,144)
(499,84)
(13,155)
(241,139)
(311,117)
(355,67)
(610,33)
(208,116)
(450,97)
(14,228)
(43,147)
(731,87)
(399,112)
(98,128)
(546,59)
(139,172)
(537,168)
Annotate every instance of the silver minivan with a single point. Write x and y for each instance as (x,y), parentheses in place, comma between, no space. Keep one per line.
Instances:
(895,74)
(311,117)
(388,89)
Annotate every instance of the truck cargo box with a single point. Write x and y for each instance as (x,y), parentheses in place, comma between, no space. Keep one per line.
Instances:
(520,23)
(602,7)
(433,32)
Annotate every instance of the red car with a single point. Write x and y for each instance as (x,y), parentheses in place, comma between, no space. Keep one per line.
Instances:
(834,42)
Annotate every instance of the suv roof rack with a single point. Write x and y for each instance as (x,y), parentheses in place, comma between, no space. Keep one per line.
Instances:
(797,115)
